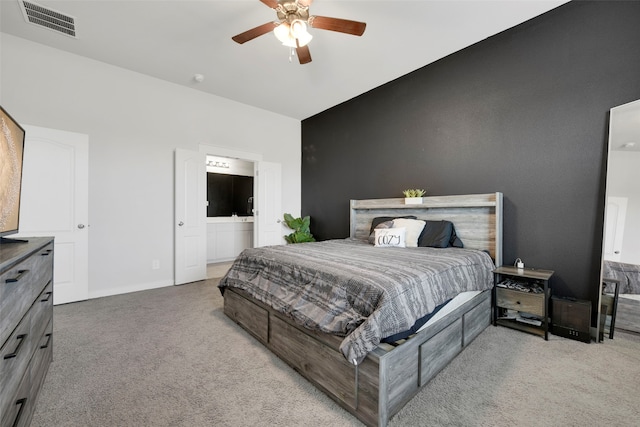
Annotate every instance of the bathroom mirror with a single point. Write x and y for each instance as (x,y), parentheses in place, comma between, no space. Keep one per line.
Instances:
(621,240)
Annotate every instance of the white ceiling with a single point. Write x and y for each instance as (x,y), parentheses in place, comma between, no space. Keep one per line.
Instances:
(174,40)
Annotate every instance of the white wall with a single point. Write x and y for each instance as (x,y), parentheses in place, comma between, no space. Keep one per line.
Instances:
(623,178)
(134,123)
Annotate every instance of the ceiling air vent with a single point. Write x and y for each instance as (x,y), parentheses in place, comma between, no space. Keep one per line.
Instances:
(48,18)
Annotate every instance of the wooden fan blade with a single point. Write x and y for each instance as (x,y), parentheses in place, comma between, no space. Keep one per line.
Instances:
(304,56)
(271,3)
(305,2)
(336,24)
(254,32)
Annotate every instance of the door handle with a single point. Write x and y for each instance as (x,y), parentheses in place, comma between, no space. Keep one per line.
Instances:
(80,226)
(180,224)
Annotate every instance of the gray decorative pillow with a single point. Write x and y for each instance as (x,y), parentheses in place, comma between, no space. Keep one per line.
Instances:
(377,220)
(382,225)
(439,234)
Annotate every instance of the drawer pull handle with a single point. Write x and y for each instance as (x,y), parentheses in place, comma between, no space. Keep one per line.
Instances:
(517,302)
(22,402)
(45,345)
(48,296)
(20,337)
(18,276)
(45,253)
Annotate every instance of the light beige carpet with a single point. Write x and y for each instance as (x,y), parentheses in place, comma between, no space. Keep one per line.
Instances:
(170,357)
(217,270)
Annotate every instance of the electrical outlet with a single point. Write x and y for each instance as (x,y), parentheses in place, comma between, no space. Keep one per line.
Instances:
(155,264)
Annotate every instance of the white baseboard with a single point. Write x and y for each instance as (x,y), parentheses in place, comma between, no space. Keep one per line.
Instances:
(127,289)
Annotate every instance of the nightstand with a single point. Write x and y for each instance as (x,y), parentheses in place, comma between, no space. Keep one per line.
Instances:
(521,299)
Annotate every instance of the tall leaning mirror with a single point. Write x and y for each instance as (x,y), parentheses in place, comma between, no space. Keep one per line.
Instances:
(620,298)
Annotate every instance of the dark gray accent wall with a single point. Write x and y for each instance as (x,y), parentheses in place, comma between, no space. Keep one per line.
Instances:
(524,112)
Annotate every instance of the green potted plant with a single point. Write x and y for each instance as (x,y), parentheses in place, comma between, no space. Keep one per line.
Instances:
(413,196)
(300,227)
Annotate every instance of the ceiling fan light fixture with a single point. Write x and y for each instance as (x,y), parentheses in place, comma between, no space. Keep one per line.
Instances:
(282,32)
(287,34)
(303,39)
(298,28)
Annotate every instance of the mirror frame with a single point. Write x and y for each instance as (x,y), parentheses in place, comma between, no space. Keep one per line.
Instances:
(606,191)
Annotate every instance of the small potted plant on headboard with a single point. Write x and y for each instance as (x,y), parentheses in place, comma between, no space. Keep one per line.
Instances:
(300,227)
(413,196)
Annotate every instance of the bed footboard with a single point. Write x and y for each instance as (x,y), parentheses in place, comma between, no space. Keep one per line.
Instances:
(390,375)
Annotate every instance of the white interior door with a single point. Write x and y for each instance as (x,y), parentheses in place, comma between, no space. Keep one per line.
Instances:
(268,216)
(54,202)
(190,227)
(615,216)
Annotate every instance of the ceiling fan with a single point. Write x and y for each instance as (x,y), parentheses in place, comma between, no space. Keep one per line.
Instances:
(291,29)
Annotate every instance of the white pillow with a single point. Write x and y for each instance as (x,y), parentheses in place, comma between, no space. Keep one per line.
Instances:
(414,228)
(390,237)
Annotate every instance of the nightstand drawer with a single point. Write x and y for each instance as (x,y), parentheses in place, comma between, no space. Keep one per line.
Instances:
(520,301)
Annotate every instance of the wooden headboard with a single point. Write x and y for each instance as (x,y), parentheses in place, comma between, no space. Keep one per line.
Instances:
(477,217)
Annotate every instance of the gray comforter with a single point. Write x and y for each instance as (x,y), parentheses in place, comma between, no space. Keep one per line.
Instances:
(627,274)
(355,290)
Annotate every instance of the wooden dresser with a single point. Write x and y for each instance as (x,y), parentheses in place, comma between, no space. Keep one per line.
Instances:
(26,326)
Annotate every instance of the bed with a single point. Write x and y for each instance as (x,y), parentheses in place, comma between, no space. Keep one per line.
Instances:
(372,379)
(627,275)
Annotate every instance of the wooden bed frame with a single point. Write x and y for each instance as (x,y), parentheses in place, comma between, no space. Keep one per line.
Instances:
(390,375)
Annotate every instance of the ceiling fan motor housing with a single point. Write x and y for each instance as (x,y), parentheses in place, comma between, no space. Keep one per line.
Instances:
(289,11)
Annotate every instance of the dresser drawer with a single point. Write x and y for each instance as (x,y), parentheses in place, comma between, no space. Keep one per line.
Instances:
(15,296)
(520,301)
(42,311)
(20,285)
(42,357)
(43,270)
(15,356)
(16,411)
